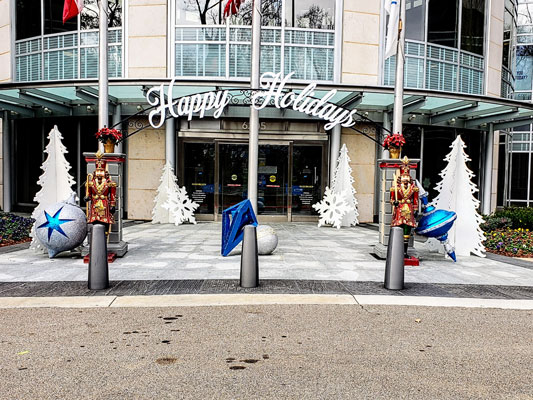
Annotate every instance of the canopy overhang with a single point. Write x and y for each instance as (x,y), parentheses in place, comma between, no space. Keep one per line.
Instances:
(421,107)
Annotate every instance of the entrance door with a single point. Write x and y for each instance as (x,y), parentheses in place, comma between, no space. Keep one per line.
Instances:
(273,182)
(307,179)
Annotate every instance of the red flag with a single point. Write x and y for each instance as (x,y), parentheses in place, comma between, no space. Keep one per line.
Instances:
(232,7)
(71,8)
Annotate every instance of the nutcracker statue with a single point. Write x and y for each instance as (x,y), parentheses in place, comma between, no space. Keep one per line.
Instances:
(404,199)
(101,192)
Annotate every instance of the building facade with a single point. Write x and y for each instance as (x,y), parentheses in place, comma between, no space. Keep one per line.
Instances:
(459,79)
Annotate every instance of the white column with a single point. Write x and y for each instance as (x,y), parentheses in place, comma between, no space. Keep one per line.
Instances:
(334,149)
(337,58)
(117,117)
(487,171)
(6,160)
(253,143)
(398,85)
(170,143)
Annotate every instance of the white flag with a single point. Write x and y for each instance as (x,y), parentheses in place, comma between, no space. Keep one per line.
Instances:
(391,43)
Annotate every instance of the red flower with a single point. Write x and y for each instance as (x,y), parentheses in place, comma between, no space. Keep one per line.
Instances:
(396,140)
(108,133)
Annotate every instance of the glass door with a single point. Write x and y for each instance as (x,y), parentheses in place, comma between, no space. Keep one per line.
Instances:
(306,179)
(273,173)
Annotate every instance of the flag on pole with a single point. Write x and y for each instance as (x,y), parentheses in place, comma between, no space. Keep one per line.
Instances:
(391,43)
(71,8)
(232,7)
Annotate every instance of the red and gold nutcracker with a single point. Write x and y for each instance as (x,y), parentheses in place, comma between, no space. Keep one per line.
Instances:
(101,191)
(404,199)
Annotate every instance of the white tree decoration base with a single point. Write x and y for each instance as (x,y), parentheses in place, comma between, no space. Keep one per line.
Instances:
(172,205)
(343,182)
(56,182)
(456,193)
(332,208)
(168,185)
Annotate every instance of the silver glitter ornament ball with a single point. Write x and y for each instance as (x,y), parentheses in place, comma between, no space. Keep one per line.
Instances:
(61,227)
(267,240)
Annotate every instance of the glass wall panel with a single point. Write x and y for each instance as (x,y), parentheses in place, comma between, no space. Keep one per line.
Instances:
(473,25)
(310,14)
(415,17)
(271,13)
(442,22)
(306,179)
(90,14)
(525,14)
(204,12)
(524,67)
(519,176)
(199,175)
(53,18)
(28,19)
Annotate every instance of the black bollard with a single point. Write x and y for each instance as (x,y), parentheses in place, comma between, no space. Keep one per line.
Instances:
(98,268)
(394,266)
(249,259)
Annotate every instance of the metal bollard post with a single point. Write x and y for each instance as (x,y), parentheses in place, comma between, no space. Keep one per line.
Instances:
(394,266)
(98,267)
(249,258)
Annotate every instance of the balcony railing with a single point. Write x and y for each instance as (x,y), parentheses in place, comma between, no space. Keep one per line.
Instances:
(429,66)
(72,55)
(224,51)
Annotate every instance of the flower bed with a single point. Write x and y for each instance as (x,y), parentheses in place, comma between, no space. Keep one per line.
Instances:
(14,229)
(510,242)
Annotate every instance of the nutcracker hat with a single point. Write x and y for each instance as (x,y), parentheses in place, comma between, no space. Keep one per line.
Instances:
(100,162)
(405,169)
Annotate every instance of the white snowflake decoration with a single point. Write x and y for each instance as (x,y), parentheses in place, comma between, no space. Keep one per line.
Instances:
(332,208)
(181,207)
(343,181)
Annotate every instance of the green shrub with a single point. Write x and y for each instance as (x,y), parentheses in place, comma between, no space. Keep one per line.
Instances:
(520,217)
(493,223)
(14,228)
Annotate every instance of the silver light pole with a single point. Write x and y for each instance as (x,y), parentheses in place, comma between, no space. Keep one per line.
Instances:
(397,114)
(253,143)
(103,114)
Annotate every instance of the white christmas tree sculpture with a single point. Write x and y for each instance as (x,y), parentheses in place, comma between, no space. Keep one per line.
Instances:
(55,181)
(168,185)
(456,193)
(172,205)
(332,208)
(343,181)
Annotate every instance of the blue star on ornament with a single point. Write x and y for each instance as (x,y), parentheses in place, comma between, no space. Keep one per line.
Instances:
(54,223)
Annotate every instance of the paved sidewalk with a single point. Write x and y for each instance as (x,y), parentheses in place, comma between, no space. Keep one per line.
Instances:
(305,252)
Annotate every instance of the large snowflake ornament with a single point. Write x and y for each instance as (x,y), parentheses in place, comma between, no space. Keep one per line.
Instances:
(181,207)
(332,208)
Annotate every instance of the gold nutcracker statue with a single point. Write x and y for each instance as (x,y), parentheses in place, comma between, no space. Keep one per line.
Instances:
(101,192)
(404,199)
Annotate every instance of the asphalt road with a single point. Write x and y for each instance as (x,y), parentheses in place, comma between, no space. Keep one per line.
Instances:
(293,352)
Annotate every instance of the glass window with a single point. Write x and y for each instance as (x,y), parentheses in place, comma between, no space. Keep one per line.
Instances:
(28,19)
(415,16)
(472,26)
(525,14)
(524,67)
(200,12)
(90,14)
(310,14)
(519,175)
(442,22)
(53,18)
(199,175)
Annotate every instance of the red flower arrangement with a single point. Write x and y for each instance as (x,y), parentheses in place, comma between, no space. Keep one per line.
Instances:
(396,140)
(105,134)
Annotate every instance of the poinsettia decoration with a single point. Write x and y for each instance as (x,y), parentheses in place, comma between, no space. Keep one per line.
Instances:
(105,134)
(396,140)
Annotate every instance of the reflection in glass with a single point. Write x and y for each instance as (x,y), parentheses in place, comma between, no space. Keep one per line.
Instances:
(270,13)
(28,22)
(415,16)
(196,12)
(90,14)
(306,179)
(519,176)
(199,174)
(525,14)
(472,26)
(310,14)
(524,67)
(442,23)
(53,18)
